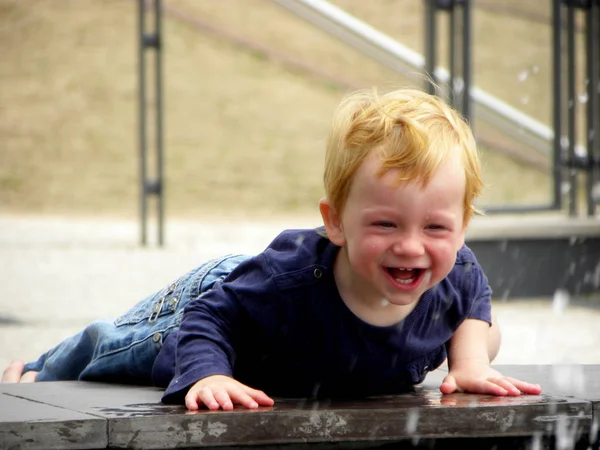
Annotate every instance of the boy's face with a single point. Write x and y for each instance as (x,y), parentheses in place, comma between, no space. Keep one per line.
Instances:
(397,239)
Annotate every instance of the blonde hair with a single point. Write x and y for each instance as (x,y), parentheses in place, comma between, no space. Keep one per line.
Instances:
(413,132)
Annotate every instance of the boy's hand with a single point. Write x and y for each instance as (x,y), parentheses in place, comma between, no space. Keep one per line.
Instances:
(478,377)
(220,391)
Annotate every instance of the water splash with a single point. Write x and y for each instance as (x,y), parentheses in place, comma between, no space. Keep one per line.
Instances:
(565,438)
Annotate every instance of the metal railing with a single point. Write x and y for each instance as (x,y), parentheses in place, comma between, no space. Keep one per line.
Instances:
(411,64)
(476,102)
(150,185)
(578,159)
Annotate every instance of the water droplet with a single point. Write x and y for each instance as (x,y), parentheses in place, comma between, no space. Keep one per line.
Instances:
(525,99)
(536,442)
(412,421)
(458,85)
(384,302)
(503,245)
(523,75)
(583,98)
(596,192)
(594,429)
(560,301)
(581,151)
(596,278)
(427,277)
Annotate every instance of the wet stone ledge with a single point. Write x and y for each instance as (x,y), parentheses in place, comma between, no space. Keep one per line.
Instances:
(85,415)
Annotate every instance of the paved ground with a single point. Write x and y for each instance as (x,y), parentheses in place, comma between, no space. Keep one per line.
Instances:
(58,274)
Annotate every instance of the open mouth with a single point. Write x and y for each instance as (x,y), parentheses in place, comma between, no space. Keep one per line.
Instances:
(404,275)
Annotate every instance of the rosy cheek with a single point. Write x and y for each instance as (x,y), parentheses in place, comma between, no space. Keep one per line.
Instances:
(373,247)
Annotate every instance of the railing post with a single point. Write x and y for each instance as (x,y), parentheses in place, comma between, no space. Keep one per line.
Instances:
(459,51)
(593,106)
(150,186)
(577,158)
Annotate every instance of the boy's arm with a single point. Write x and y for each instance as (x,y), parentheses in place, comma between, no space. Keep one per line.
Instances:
(213,328)
(469,365)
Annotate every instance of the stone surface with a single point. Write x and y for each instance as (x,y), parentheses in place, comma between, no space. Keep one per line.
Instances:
(64,415)
(30,425)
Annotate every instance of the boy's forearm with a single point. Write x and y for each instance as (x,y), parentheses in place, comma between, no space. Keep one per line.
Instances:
(469,343)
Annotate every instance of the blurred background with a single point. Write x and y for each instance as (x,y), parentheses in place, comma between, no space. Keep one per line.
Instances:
(249,90)
(248,94)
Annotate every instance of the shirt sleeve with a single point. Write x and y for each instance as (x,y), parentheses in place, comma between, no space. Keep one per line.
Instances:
(213,324)
(481,295)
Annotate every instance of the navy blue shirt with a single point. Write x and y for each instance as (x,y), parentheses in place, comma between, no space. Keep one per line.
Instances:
(277,323)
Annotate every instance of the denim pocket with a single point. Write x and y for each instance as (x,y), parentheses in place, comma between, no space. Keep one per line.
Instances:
(175,296)
(213,271)
(162,303)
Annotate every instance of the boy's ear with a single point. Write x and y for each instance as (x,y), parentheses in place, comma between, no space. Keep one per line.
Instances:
(332,222)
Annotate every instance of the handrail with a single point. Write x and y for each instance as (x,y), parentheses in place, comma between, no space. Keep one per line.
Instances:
(409,63)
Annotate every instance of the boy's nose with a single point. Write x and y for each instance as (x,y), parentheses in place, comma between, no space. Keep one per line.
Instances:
(408,245)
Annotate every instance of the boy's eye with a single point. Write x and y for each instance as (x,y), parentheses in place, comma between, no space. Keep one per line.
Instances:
(385,224)
(435,227)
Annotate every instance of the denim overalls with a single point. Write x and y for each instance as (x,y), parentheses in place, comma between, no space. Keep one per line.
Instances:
(124,350)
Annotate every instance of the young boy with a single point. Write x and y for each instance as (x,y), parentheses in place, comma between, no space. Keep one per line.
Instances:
(367,305)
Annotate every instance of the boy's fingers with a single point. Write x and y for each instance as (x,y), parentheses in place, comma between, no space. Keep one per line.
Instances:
(523,386)
(223,400)
(191,400)
(207,398)
(448,385)
(492,388)
(13,372)
(506,385)
(240,396)
(260,397)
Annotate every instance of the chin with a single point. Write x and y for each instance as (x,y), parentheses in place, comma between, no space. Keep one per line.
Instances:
(404,300)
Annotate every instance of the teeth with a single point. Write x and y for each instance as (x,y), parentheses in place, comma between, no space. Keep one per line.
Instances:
(410,280)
